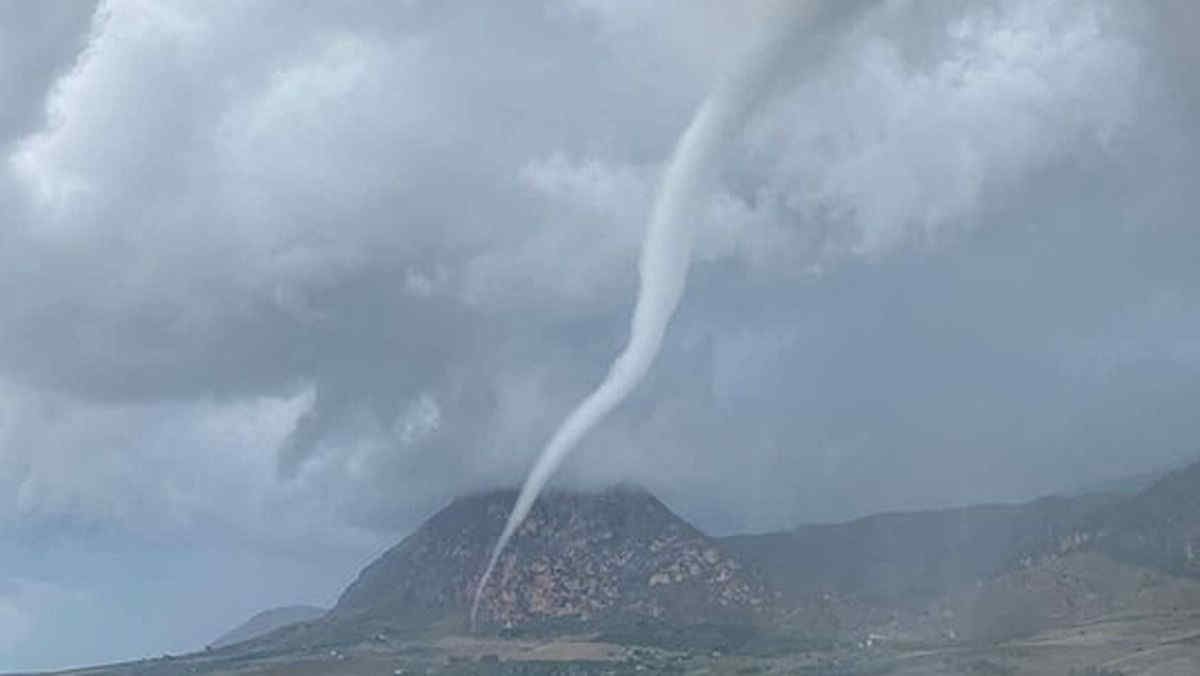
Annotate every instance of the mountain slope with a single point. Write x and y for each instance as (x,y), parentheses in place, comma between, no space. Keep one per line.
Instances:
(604,562)
(897,557)
(1139,554)
(268,621)
(1158,528)
(579,560)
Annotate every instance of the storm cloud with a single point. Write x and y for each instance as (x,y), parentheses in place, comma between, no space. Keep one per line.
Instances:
(279,281)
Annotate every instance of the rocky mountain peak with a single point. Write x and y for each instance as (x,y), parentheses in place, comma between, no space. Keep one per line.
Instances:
(579,559)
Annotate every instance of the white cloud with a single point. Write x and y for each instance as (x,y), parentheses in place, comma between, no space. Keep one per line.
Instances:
(881,151)
(159,468)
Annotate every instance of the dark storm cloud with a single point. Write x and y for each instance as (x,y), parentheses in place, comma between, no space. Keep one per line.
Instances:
(280,280)
(36,44)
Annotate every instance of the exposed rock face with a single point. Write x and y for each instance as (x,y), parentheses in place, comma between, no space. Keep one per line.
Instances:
(579,560)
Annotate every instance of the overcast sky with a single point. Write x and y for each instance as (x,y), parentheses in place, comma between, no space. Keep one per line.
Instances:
(279,279)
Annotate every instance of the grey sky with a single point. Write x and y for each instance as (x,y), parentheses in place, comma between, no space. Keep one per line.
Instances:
(276,282)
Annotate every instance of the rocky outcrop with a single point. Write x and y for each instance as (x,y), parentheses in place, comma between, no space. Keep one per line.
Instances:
(580,560)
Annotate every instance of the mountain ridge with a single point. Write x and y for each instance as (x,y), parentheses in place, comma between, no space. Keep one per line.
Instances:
(267,621)
(595,562)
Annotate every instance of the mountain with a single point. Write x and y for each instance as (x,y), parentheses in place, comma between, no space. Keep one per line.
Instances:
(580,560)
(1158,528)
(1137,554)
(268,621)
(614,582)
(908,556)
(993,571)
(620,564)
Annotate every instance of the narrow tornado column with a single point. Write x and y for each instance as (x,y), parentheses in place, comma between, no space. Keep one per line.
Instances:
(666,253)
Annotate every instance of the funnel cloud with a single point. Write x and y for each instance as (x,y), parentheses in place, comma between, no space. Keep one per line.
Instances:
(666,254)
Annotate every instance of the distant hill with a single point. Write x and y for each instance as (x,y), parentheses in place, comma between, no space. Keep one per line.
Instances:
(992,571)
(1137,555)
(1127,486)
(268,621)
(909,556)
(1158,528)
